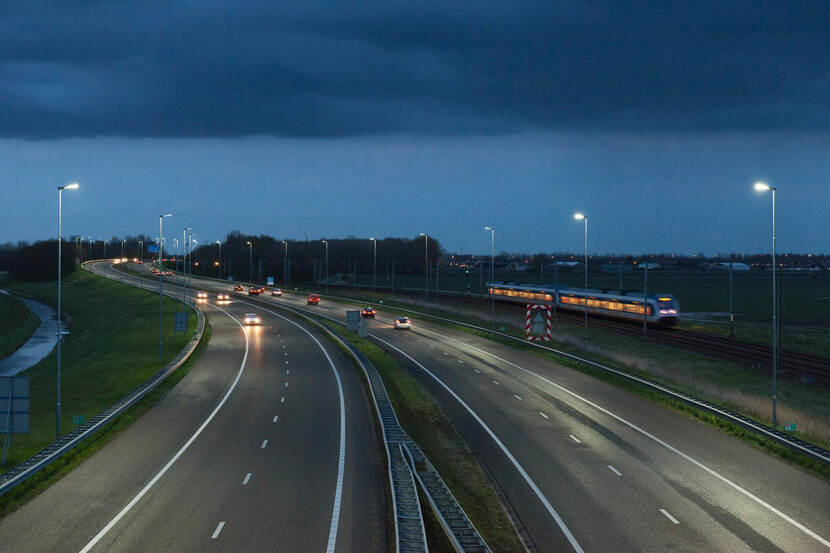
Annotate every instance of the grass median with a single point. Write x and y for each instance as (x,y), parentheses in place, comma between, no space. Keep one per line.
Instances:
(17,324)
(427,423)
(112,348)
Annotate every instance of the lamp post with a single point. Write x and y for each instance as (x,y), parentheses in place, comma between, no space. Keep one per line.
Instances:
(122,248)
(220,258)
(426,264)
(374,267)
(492,270)
(285,265)
(250,261)
(582,217)
(141,250)
(70,186)
(764,187)
(326,242)
(161,256)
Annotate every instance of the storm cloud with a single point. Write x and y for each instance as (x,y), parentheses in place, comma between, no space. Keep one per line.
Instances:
(328,69)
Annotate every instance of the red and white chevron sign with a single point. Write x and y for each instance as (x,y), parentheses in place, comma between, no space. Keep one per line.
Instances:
(537,323)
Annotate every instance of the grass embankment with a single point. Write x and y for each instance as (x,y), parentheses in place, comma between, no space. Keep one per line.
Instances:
(17,324)
(426,423)
(113,347)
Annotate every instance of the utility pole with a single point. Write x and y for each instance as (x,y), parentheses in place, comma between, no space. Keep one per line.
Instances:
(731,306)
(161,270)
(645,298)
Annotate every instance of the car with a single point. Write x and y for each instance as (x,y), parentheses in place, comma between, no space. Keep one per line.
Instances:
(313,299)
(201,295)
(222,297)
(251,319)
(261,289)
(253,291)
(237,287)
(368,312)
(167,273)
(276,292)
(403,322)
(139,262)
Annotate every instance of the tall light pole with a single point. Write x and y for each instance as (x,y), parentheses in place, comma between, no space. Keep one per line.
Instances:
(492,270)
(285,265)
(220,258)
(161,256)
(326,242)
(250,261)
(764,187)
(70,186)
(122,248)
(141,250)
(374,267)
(185,267)
(582,217)
(426,264)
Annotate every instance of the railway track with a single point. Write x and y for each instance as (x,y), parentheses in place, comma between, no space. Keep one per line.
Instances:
(722,347)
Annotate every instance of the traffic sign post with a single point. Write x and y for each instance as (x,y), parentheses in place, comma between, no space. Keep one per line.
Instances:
(14,410)
(537,323)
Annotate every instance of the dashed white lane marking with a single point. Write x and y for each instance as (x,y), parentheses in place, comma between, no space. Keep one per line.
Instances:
(218,529)
(668,516)
(282,399)
(615,471)
(478,371)
(517,397)
(544,415)
(431,346)
(179,453)
(496,383)
(287,371)
(286,384)
(276,418)
(445,353)
(574,438)
(247,478)
(460,361)
(286,362)
(264,443)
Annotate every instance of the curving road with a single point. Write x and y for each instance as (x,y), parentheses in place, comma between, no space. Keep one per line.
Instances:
(588,466)
(268,443)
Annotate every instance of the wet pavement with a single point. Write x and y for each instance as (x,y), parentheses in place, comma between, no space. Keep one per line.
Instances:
(41,343)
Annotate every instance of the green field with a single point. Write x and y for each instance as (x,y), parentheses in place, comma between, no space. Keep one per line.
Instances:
(113,348)
(17,324)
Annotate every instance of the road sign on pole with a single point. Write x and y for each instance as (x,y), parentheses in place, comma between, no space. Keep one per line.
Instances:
(537,323)
(14,405)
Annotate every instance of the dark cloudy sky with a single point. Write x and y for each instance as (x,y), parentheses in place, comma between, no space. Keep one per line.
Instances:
(393,118)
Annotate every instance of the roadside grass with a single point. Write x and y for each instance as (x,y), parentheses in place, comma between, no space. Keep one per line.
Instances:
(113,347)
(38,483)
(427,423)
(17,324)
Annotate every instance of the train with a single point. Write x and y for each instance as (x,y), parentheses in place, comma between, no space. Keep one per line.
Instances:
(660,309)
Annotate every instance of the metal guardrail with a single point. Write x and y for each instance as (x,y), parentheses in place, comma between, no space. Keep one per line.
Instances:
(31,466)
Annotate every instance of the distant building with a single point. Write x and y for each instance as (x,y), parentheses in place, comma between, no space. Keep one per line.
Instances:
(518,267)
(652,265)
(564,264)
(724,266)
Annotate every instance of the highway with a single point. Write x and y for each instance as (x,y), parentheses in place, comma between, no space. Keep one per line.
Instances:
(588,466)
(267,444)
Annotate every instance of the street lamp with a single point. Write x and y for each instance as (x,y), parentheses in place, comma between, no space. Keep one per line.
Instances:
(161,256)
(582,217)
(285,265)
(70,186)
(374,267)
(492,270)
(141,250)
(764,187)
(220,258)
(426,264)
(122,248)
(326,242)
(250,261)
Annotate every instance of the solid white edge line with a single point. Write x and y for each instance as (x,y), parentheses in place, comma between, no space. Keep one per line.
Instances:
(505,451)
(341,462)
(218,529)
(671,448)
(668,516)
(615,471)
(179,453)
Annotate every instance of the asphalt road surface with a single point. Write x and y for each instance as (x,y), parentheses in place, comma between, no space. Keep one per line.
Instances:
(588,466)
(268,444)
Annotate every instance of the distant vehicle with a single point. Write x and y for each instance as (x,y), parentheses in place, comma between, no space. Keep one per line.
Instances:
(222,297)
(253,291)
(237,287)
(368,312)
(251,319)
(201,295)
(276,292)
(313,299)
(139,262)
(154,271)
(403,322)
(661,309)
